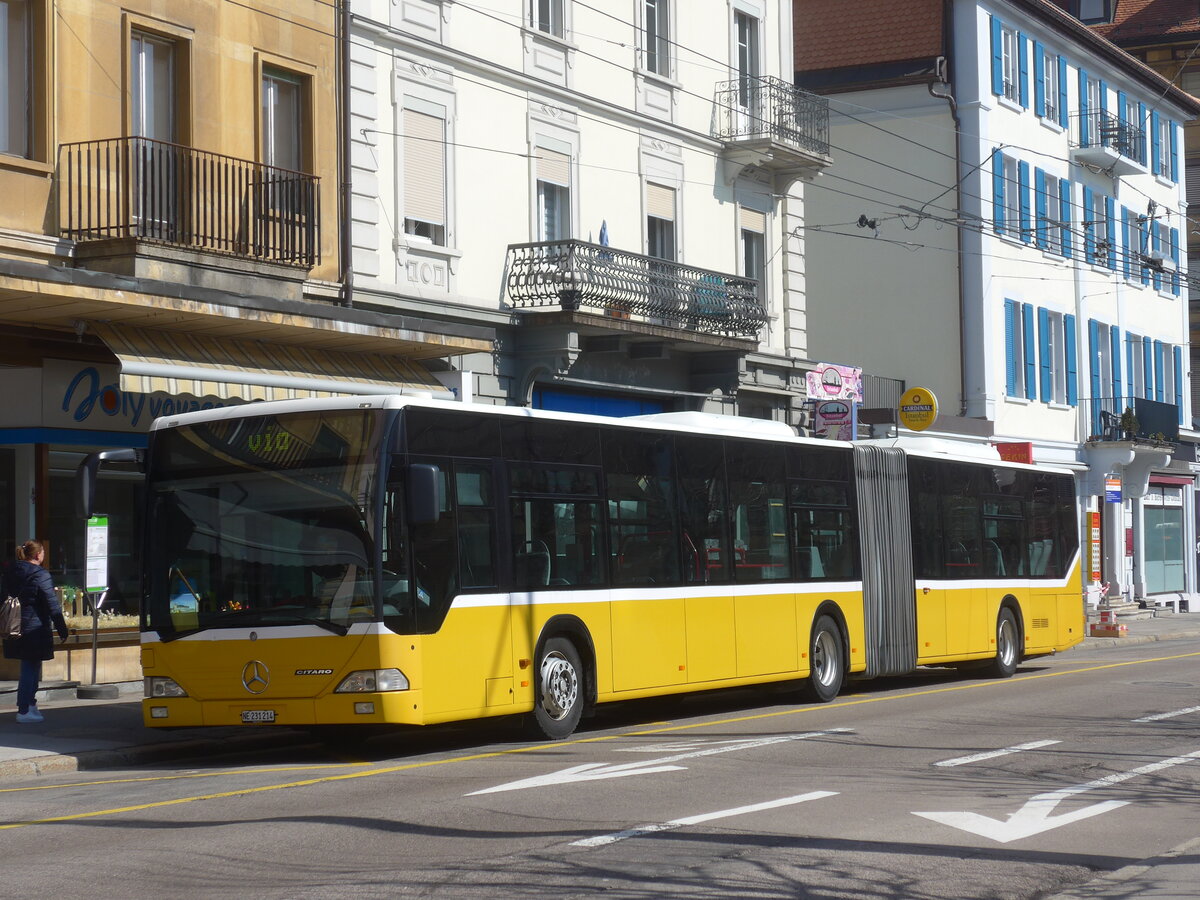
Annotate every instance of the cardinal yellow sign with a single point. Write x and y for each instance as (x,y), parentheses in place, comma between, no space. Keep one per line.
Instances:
(918,408)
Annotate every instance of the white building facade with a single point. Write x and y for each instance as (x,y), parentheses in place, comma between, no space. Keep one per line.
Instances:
(1031,203)
(607,186)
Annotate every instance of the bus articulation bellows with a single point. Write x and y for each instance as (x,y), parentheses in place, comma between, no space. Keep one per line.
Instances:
(404,560)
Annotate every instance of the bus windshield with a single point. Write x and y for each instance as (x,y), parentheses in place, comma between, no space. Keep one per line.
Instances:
(262,521)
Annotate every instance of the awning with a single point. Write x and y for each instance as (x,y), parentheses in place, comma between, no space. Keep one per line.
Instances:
(207,366)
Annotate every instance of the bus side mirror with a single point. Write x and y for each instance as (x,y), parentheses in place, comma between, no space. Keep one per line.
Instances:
(424,494)
(85,475)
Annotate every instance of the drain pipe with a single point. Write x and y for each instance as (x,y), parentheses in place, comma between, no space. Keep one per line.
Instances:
(942,77)
(345,237)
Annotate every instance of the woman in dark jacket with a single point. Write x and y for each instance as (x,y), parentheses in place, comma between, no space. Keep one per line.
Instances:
(32,585)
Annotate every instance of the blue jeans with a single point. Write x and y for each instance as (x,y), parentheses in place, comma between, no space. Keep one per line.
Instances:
(27,684)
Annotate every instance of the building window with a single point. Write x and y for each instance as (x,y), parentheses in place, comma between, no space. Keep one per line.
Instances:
(16,71)
(282,120)
(1163,142)
(752,237)
(547,16)
(1056,360)
(1098,238)
(656,36)
(1010,198)
(748,64)
(660,222)
(1050,86)
(1092,12)
(1010,49)
(425,176)
(1049,205)
(1019,342)
(1138,360)
(153,81)
(553,195)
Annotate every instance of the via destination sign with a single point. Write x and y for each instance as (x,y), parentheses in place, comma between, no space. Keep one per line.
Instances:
(918,408)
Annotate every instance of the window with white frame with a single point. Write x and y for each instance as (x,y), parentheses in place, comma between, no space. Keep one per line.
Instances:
(1102,362)
(1135,360)
(1050,83)
(547,16)
(1055,347)
(1098,231)
(1168,376)
(656,42)
(1053,224)
(749,66)
(660,221)
(1010,61)
(1093,12)
(425,174)
(282,119)
(1012,198)
(553,195)
(153,87)
(752,229)
(1163,163)
(16,77)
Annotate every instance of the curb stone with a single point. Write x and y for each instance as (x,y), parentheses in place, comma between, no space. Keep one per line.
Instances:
(1113,880)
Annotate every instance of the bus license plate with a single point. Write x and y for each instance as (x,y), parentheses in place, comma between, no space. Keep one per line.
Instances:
(254,716)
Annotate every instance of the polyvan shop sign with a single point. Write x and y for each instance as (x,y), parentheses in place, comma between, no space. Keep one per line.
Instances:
(92,397)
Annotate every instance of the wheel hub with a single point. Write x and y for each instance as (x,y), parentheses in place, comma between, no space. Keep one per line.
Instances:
(560,685)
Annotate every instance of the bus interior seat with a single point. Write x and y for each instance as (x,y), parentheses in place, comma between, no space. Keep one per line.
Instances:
(531,566)
(811,565)
(994,558)
(638,560)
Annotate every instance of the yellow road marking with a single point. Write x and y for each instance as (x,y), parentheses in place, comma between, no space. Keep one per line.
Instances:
(53,787)
(493,754)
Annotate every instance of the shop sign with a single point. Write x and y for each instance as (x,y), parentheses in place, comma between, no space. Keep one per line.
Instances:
(76,395)
(1015,451)
(1112,489)
(918,408)
(1094,545)
(831,382)
(835,419)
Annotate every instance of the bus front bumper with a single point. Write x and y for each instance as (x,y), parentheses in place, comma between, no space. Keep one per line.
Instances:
(399,707)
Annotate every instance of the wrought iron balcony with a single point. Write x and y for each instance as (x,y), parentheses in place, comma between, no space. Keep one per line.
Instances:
(575,275)
(788,127)
(1105,140)
(1130,419)
(134,187)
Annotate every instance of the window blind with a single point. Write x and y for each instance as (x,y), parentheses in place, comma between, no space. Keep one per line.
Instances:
(553,167)
(660,202)
(424,167)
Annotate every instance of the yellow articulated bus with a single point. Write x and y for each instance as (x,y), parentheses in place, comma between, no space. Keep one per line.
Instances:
(404,560)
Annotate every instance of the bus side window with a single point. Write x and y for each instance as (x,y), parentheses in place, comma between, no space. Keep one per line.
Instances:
(435,563)
(704,509)
(639,476)
(758,503)
(476,525)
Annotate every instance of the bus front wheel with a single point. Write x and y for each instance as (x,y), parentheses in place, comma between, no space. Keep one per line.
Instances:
(828,668)
(1007,645)
(558,696)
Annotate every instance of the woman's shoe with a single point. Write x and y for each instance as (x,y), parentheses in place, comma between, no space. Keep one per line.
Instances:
(33,717)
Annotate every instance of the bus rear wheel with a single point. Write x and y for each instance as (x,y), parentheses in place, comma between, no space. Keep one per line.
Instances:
(1007,645)
(828,667)
(558,693)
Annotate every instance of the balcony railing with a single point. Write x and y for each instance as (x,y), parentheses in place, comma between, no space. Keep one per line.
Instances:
(1130,419)
(577,275)
(770,108)
(1099,130)
(156,191)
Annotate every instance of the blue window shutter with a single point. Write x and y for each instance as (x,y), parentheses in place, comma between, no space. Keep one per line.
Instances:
(1103,97)
(1039,191)
(1173,130)
(1121,117)
(1064,216)
(997,58)
(1129,368)
(1062,91)
(1115,334)
(1144,247)
(1177,356)
(1094,357)
(1126,246)
(1110,223)
(1072,360)
(1010,348)
(1155,247)
(1030,347)
(1158,370)
(1023,197)
(1089,226)
(1039,79)
(1175,261)
(998,191)
(1023,70)
(1141,129)
(1044,353)
(1147,369)
(1156,147)
(1084,124)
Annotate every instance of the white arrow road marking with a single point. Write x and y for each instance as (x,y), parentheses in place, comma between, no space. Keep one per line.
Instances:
(598,771)
(1169,715)
(601,840)
(992,754)
(1034,817)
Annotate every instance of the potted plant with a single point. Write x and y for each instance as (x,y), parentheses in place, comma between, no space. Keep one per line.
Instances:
(1129,423)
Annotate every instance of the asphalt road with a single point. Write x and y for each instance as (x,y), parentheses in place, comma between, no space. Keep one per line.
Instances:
(934,786)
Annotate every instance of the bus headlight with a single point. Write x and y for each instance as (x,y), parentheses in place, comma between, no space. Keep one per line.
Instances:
(158,686)
(372,681)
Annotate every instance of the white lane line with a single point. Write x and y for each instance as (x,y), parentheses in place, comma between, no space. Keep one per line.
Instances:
(992,754)
(601,840)
(1169,715)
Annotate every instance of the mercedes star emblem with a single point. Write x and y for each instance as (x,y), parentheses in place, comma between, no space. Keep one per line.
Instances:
(256,676)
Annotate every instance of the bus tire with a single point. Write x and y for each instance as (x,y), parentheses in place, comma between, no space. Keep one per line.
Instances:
(558,695)
(1008,653)
(827,660)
